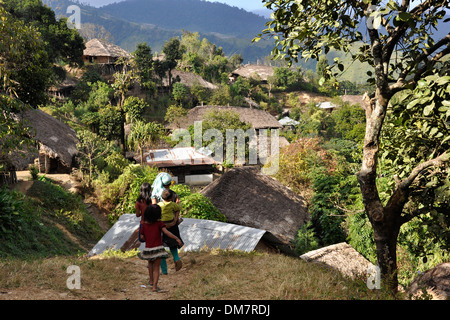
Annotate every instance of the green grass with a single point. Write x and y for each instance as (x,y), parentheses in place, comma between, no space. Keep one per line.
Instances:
(47,221)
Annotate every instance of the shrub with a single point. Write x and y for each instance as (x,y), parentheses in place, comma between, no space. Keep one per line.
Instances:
(196,205)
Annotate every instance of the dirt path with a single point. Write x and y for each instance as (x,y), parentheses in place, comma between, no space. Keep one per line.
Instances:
(134,288)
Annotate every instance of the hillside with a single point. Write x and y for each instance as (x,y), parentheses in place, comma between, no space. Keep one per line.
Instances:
(56,238)
(192,15)
(228,27)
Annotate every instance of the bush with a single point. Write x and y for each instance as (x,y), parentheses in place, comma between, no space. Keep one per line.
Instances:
(121,194)
(196,205)
(306,239)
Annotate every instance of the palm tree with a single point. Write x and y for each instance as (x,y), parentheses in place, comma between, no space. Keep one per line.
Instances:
(144,135)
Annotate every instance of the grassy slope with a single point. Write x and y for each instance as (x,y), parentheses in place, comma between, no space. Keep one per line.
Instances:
(49,221)
(34,263)
(218,275)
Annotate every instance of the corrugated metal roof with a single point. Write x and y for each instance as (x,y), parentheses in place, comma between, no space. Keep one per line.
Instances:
(176,157)
(117,235)
(286,121)
(200,234)
(197,234)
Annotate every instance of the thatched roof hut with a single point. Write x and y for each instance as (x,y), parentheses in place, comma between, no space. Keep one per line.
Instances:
(342,257)
(436,282)
(189,79)
(250,198)
(57,141)
(252,70)
(259,119)
(101,51)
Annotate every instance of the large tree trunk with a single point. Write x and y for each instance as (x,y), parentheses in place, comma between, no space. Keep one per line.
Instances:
(385,221)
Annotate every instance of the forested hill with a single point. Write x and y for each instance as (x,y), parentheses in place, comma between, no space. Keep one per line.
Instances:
(156,21)
(192,15)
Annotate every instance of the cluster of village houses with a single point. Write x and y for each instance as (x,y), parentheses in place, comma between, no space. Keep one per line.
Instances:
(262,214)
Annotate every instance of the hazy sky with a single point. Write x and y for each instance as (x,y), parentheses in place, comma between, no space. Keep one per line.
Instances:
(244,4)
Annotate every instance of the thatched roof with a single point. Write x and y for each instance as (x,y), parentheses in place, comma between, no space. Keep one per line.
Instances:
(20,159)
(189,79)
(354,99)
(102,48)
(56,138)
(259,119)
(342,257)
(250,198)
(435,281)
(252,70)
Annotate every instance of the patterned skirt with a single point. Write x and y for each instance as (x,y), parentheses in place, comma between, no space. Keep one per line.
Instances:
(152,254)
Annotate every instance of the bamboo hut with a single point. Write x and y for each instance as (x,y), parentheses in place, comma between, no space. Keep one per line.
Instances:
(189,79)
(435,282)
(104,54)
(250,198)
(57,142)
(259,119)
(258,72)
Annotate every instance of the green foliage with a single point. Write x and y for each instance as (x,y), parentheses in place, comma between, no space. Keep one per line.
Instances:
(360,235)
(28,223)
(134,108)
(121,194)
(144,135)
(196,205)
(10,218)
(90,148)
(61,43)
(301,162)
(25,70)
(349,122)
(174,113)
(306,239)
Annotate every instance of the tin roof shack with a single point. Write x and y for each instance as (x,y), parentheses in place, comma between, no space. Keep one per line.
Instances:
(327,105)
(197,235)
(187,164)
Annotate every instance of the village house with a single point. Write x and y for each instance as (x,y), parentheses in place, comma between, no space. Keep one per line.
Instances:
(186,165)
(248,71)
(56,141)
(258,119)
(250,198)
(104,54)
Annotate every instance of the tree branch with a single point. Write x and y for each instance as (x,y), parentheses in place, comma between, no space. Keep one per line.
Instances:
(400,84)
(424,165)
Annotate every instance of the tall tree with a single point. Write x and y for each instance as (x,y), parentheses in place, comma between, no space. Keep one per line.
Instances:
(23,79)
(123,81)
(144,65)
(403,52)
(173,51)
